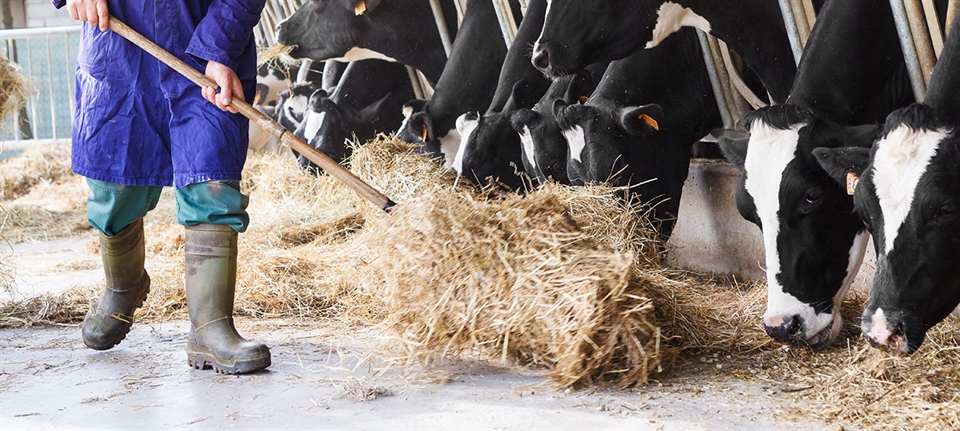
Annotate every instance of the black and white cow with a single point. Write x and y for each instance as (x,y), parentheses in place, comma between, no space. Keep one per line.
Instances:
(367,100)
(580,32)
(347,30)
(908,195)
(852,72)
(468,83)
(638,127)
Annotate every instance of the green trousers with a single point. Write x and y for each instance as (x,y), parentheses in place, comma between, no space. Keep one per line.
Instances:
(111,207)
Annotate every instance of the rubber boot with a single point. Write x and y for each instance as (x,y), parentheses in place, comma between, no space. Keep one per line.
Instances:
(211,277)
(127,284)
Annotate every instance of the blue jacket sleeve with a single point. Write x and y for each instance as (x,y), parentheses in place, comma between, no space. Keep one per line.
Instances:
(59,3)
(225,31)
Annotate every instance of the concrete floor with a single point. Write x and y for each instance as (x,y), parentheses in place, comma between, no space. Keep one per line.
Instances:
(320,379)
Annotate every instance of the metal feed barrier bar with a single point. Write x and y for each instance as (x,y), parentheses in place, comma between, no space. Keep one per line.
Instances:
(48,56)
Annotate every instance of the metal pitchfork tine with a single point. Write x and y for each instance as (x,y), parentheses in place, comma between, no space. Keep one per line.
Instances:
(265,122)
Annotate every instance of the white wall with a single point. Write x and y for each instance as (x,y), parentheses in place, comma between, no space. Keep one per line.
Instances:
(41,13)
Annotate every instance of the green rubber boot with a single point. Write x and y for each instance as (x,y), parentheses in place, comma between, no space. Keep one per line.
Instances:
(211,277)
(127,284)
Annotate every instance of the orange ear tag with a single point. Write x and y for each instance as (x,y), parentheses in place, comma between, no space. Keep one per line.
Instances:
(650,121)
(360,8)
(423,133)
(852,181)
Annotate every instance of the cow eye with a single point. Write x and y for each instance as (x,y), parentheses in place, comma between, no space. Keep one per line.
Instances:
(946,210)
(810,201)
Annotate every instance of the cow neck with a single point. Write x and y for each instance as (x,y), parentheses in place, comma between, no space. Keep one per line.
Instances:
(861,80)
(517,66)
(945,81)
(470,76)
(756,32)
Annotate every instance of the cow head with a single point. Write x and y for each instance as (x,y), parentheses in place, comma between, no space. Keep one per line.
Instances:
(599,135)
(490,148)
(813,239)
(579,32)
(334,29)
(419,127)
(908,195)
(293,103)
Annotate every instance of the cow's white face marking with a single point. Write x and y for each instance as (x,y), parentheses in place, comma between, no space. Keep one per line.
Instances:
(576,141)
(312,122)
(465,127)
(356,53)
(529,151)
(901,159)
(671,17)
(295,107)
(769,151)
(450,146)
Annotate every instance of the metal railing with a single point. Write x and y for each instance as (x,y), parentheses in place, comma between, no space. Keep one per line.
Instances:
(48,57)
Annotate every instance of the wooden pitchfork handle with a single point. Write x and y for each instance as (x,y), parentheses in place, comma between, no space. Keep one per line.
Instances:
(262,120)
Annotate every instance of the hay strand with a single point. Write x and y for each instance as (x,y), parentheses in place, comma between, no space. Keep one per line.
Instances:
(14,87)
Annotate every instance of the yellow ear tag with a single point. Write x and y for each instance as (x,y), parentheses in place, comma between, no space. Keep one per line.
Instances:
(650,121)
(852,181)
(423,133)
(360,8)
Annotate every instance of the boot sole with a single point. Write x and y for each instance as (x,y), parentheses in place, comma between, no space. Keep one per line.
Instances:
(124,330)
(201,358)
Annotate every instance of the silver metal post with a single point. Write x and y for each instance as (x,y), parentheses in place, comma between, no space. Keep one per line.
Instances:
(715,80)
(909,50)
(441,26)
(792,33)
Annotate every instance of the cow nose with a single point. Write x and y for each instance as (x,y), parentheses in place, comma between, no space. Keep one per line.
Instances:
(786,331)
(893,339)
(541,58)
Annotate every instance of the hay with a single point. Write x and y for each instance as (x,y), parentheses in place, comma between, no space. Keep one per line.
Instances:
(517,279)
(14,88)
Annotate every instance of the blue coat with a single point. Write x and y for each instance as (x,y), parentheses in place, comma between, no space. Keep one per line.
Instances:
(138,122)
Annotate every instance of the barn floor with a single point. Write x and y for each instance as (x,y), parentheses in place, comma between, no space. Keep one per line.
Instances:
(322,378)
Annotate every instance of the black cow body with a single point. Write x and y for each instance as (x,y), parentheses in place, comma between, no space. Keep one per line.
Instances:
(580,32)
(852,72)
(367,100)
(467,84)
(637,128)
(348,30)
(909,197)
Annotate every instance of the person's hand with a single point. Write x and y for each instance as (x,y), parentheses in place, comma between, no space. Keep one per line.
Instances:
(94,12)
(229,84)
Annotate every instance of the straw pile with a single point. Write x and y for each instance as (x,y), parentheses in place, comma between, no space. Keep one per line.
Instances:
(14,87)
(520,280)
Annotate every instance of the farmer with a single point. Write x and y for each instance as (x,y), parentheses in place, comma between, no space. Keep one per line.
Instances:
(139,126)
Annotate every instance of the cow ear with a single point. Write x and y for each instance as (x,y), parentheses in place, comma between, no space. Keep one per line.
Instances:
(521,96)
(735,150)
(368,114)
(361,7)
(413,106)
(521,118)
(580,88)
(641,119)
(422,123)
(845,165)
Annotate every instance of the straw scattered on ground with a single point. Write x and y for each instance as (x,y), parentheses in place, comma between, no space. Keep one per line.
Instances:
(567,279)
